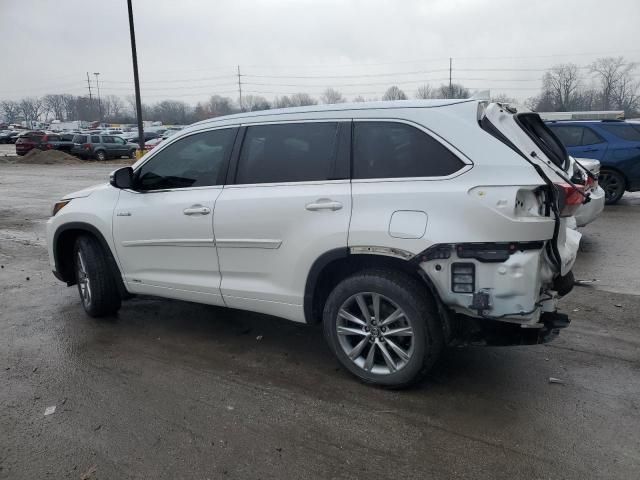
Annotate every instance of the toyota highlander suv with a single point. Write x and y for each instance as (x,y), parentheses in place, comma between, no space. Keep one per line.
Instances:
(401,227)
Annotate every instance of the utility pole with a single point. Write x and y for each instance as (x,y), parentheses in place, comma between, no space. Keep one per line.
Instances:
(240,88)
(89,85)
(136,79)
(450,84)
(99,101)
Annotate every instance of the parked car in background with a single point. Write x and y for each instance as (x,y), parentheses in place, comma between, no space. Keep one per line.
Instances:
(102,147)
(615,143)
(589,211)
(403,226)
(134,138)
(154,142)
(4,136)
(55,141)
(28,141)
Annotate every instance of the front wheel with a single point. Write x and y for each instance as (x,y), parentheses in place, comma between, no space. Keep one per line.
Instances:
(132,154)
(613,185)
(383,327)
(97,285)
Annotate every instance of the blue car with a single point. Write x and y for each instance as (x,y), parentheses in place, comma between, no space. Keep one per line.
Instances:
(615,143)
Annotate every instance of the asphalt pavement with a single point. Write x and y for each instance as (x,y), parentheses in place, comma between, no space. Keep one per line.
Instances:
(172,390)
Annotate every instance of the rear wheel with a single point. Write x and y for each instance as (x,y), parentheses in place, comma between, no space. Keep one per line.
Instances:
(613,185)
(101,155)
(96,283)
(383,327)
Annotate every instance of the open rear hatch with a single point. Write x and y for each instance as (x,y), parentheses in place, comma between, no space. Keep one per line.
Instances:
(525,133)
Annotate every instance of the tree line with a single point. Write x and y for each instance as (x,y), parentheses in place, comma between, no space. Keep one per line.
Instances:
(610,84)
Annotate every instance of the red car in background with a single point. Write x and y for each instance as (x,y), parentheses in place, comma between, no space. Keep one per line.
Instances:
(28,141)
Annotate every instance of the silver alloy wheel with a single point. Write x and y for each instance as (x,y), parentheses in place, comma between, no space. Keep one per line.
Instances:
(83,281)
(374,332)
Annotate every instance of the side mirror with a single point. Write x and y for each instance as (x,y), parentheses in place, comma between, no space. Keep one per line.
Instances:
(122,178)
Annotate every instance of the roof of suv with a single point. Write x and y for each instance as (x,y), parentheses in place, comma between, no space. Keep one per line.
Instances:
(340,107)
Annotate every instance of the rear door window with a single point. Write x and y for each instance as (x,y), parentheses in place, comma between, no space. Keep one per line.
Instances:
(292,152)
(569,135)
(623,131)
(95,139)
(80,139)
(397,150)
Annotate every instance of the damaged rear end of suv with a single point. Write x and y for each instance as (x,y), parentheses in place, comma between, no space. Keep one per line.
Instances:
(506,291)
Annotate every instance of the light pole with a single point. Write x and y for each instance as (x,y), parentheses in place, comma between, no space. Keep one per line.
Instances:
(99,101)
(136,80)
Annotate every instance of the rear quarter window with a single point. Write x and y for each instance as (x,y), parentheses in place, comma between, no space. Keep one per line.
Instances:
(623,131)
(398,150)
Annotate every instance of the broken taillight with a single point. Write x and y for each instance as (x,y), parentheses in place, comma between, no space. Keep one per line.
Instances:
(570,198)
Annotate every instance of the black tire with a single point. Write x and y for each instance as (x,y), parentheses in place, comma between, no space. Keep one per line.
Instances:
(613,184)
(132,154)
(104,297)
(101,155)
(420,313)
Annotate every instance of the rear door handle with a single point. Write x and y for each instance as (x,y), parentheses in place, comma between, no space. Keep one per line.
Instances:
(197,210)
(323,204)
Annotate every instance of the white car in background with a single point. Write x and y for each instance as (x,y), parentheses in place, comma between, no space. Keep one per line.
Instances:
(589,211)
(401,226)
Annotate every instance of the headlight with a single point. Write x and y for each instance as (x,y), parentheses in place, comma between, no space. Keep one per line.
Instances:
(59,206)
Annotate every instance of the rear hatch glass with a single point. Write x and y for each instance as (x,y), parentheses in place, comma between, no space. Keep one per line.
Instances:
(544,138)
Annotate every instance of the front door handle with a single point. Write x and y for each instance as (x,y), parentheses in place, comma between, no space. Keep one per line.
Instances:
(323,204)
(197,210)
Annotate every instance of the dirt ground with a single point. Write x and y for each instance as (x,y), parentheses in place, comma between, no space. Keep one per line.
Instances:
(177,390)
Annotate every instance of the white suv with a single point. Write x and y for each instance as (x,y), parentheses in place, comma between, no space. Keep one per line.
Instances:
(401,226)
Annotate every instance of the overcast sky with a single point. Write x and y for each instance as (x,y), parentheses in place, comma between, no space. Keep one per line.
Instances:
(190,49)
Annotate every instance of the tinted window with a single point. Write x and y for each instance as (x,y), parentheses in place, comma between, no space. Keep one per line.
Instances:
(52,138)
(622,130)
(589,137)
(193,161)
(396,150)
(107,140)
(570,136)
(80,139)
(119,140)
(294,152)
(95,139)
(544,138)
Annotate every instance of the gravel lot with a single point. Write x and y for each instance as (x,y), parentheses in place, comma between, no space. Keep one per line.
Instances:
(178,390)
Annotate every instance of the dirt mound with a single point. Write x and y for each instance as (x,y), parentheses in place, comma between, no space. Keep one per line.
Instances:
(48,157)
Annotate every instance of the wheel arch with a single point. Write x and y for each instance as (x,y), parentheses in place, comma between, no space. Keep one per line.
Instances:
(615,169)
(64,240)
(335,265)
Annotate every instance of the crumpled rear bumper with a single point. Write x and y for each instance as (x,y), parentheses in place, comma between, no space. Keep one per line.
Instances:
(484,332)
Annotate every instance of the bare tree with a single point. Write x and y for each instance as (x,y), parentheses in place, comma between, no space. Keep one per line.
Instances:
(394,93)
(331,96)
(10,110)
(359,99)
(626,95)
(456,90)
(609,71)
(253,103)
(31,109)
(113,107)
(219,105)
(425,91)
(302,99)
(562,83)
(55,105)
